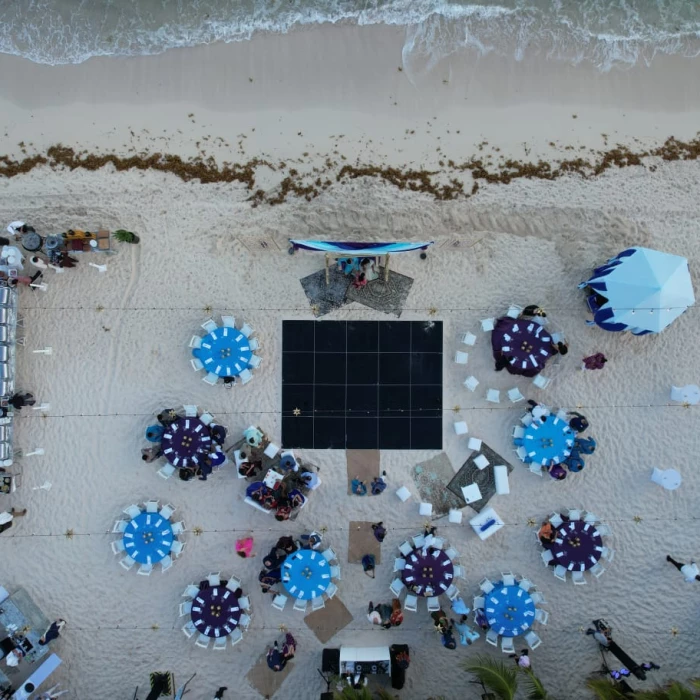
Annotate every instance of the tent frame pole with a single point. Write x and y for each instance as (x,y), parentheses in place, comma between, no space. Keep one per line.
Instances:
(328,272)
(386,268)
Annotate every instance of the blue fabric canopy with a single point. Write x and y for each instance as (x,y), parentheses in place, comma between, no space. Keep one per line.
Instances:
(358,248)
(645,290)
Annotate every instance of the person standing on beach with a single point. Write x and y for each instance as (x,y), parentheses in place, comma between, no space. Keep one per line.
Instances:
(53,632)
(689,571)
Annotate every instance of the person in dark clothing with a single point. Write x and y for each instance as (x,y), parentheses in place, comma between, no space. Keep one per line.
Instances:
(17,401)
(185,474)
(220,692)
(379,531)
(205,469)
(150,454)
(579,422)
(218,434)
(167,417)
(440,619)
(268,579)
(286,544)
(502,362)
(53,632)
(560,347)
(378,485)
(289,648)
(533,310)
(447,637)
(275,660)
(273,559)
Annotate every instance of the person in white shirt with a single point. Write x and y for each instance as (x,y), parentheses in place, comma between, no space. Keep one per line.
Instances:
(52,693)
(689,571)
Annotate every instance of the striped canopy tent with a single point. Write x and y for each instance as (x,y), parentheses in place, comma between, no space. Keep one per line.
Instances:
(640,290)
(359,249)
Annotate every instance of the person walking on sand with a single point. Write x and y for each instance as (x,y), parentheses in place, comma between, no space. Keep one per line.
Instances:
(53,632)
(244,547)
(689,571)
(220,692)
(52,693)
(596,361)
(522,660)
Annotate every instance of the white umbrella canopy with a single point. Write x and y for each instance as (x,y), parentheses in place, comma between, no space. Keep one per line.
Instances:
(647,290)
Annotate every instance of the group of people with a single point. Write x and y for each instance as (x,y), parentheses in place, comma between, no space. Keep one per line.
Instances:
(363,270)
(277,658)
(215,458)
(271,573)
(385,615)
(377,486)
(284,498)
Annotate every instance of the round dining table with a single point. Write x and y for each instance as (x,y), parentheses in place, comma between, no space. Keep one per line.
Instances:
(578,545)
(510,610)
(428,572)
(215,611)
(526,344)
(306,574)
(185,442)
(225,352)
(547,440)
(148,538)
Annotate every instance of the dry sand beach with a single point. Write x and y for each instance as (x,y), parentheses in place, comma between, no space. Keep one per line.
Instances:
(317,100)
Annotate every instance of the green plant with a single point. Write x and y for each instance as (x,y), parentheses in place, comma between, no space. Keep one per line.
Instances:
(502,680)
(605,690)
(125,236)
(364,693)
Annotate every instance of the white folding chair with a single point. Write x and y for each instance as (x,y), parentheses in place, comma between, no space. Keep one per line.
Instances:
(525,584)
(478,603)
(220,643)
(244,602)
(203,641)
(254,361)
(211,378)
(405,548)
(547,556)
(196,341)
(578,578)
(452,592)
(459,571)
(247,330)
(468,338)
(471,383)
(244,621)
(132,511)
(214,579)
(425,509)
(253,344)
(603,530)
(492,638)
(411,603)
(507,645)
(117,546)
(541,382)
(209,325)
(235,636)
(486,586)
(178,528)
(167,510)
(461,428)
(145,570)
(279,602)
(196,364)
(555,520)
(514,395)
(335,573)
(191,591)
(119,526)
(493,395)
(397,587)
(518,431)
(514,311)
(574,514)
(418,541)
(538,598)
(206,418)
(189,629)
(437,542)
(590,518)
(300,605)
(533,641)
(455,516)
(508,578)
(526,419)
(166,471)
(317,603)
(228,321)
(185,608)
(461,358)
(329,555)
(542,616)
(608,554)
(152,506)
(560,572)
(598,570)
(271,450)
(176,548)
(233,584)
(331,590)
(403,493)
(433,604)
(487,324)
(190,410)
(452,553)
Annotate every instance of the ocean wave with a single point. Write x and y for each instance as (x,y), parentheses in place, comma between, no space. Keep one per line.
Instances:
(605,33)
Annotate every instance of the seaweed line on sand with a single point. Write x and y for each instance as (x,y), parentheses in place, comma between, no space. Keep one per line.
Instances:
(309,186)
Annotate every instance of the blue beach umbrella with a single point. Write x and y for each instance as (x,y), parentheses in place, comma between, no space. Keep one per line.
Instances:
(645,290)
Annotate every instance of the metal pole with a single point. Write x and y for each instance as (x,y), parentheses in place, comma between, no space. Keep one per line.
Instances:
(386,268)
(328,273)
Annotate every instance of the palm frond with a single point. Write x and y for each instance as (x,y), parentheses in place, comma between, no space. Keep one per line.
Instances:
(498,678)
(535,689)
(604,689)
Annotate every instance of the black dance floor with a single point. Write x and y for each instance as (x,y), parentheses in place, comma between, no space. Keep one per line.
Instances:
(362,384)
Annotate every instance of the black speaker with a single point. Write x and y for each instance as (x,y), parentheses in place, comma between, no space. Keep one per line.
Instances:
(330,661)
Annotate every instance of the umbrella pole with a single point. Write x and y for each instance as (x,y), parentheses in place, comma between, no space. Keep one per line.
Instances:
(386,268)
(328,273)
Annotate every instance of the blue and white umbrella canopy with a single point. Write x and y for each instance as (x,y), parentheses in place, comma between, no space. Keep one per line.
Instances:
(645,290)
